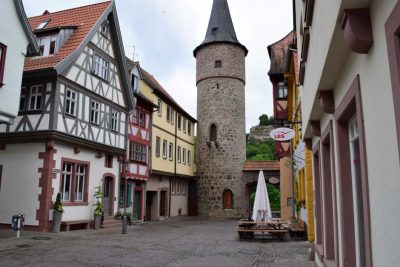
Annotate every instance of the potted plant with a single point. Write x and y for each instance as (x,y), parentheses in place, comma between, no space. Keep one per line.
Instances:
(118,215)
(57,214)
(98,206)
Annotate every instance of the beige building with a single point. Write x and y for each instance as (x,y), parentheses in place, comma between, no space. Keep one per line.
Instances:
(172,175)
(350,94)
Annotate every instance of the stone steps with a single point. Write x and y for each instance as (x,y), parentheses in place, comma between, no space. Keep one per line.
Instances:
(111,222)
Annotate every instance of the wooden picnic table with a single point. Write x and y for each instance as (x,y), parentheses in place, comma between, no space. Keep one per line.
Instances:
(247,228)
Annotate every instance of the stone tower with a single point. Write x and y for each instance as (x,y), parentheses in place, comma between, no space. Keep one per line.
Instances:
(221,117)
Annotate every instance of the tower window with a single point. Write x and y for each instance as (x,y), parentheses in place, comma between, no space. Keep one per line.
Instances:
(228,199)
(213,132)
(218,64)
(217,85)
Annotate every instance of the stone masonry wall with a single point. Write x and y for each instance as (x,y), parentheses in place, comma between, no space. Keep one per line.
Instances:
(221,101)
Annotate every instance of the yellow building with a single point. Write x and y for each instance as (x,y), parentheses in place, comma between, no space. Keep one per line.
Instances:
(172,155)
(302,160)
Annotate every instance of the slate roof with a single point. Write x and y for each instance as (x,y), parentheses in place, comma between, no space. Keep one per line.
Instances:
(159,90)
(83,18)
(264,165)
(220,27)
(279,54)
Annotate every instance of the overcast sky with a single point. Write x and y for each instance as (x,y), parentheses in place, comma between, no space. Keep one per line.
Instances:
(165,33)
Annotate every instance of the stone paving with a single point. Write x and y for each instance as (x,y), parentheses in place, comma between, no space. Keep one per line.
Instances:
(189,242)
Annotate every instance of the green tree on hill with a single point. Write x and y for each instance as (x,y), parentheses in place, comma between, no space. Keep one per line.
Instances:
(265,120)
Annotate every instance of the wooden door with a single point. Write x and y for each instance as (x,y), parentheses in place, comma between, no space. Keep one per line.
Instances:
(163,202)
(137,208)
(107,195)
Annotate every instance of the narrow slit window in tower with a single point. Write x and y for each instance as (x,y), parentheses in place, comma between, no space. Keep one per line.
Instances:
(218,64)
(213,132)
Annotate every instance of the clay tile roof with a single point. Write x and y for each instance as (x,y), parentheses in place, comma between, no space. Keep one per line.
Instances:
(279,54)
(264,165)
(147,77)
(83,18)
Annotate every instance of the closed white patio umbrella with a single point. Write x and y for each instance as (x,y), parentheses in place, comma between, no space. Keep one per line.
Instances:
(261,208)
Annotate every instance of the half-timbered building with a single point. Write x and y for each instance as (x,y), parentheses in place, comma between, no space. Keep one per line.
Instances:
(139,144)
(70,133)
(279,53)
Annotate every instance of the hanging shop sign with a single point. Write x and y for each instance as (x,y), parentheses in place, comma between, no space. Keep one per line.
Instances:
(282,134)
(273,180)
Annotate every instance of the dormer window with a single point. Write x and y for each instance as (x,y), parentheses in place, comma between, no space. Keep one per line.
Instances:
(48,45)
(42,25)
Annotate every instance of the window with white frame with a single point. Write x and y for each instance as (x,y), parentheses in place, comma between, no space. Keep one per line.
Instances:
(168,113)
(80,182)
(178,153)
(66,178)
(3,50)
(189,157)
(189,128)
(73,182)
(282,90)
(35,98)
(114,120)
(179,121)
(164,149)
(173,186)
(159,107)
(184,125)
(142,119)
(138,152)
(100,67)
(158,146)
(172,116)
(135,116)
(94,112)
(184,155)
(71,98)
(171,151)
(48,45)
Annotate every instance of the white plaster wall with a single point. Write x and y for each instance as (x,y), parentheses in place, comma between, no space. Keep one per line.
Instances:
(380,134)
(15,40)
(97,170)
(179,202)
(321,32)
(20,182)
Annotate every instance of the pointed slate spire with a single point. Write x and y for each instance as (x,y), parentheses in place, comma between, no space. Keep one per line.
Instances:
(220,27)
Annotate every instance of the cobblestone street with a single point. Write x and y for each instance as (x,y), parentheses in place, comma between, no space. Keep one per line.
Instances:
(187,242)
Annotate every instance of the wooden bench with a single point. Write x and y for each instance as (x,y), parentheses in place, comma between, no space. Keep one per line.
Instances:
(248,232)
(67,224)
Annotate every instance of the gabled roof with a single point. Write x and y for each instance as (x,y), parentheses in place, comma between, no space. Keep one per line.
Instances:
(160,91)
(263,165)
(220,27)
(33,47)
(280,53)
(130,64)
(84,18)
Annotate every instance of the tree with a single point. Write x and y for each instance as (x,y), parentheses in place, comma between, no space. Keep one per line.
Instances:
(261,151)
(265,120)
